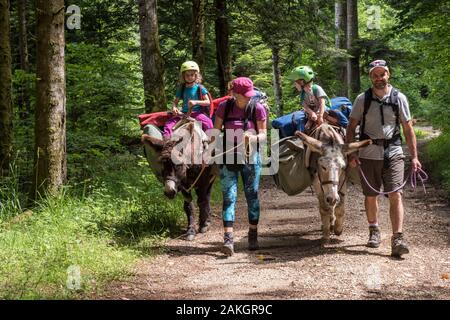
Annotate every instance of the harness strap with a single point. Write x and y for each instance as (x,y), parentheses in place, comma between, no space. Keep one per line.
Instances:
(393,102)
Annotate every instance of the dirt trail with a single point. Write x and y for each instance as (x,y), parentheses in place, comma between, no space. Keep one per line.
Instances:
(292,264)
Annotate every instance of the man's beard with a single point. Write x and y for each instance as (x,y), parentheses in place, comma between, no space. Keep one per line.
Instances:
(380,84)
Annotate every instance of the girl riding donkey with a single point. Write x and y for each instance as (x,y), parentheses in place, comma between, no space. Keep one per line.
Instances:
(195,99)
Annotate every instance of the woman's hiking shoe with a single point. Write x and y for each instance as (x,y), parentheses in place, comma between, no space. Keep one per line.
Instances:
(228,245)
(374,237)
(253,239)
(399,245)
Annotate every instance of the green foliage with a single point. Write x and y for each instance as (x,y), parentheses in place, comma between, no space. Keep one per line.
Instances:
(104,22)
(438,150)
(112,210)
(104,85)
(102,225)
(11,198)
(104,95)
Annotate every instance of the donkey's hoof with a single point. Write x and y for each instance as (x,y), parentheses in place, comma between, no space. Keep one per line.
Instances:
(190,237)
(204,228)
(190,234)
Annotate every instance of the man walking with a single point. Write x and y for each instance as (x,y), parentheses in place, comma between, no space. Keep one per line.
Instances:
(380,111)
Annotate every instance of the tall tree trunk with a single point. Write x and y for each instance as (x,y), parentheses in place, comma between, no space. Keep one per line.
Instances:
(222,46)
(340,20)
(6,133)
(24,98)
(198,32)
(353,80)
(50,123)
(152,61)
(277,80)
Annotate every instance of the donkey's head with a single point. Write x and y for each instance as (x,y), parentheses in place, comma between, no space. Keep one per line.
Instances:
(331,162)
(178,154)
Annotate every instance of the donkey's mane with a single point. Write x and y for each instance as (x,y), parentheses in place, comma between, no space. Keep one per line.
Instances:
(328,135)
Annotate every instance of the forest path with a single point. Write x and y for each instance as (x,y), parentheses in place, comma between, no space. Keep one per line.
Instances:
(292,264)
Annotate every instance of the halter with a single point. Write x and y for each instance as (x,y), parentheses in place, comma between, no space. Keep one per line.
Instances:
(333,182)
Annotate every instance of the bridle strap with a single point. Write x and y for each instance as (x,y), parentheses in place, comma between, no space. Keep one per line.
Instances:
(171,178)
(333,182)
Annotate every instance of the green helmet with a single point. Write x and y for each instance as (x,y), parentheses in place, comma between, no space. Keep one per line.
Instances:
(301,73)
(189,65)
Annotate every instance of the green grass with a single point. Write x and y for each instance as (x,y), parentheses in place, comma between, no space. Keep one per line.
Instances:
(99,227)
(420,134)
(438,150)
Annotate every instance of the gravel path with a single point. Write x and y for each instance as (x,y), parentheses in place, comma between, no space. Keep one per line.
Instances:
(292,264)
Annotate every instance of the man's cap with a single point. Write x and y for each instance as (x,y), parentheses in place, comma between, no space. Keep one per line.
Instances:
(378,64)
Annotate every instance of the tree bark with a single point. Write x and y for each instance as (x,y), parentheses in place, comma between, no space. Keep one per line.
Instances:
(340,43)
(6,132)
(198,33)
(277,80)
(24,97)
(152,61)
(222,46)
(353,80)
(50,114)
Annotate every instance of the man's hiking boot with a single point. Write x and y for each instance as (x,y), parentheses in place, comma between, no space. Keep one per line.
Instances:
(398,245)
(228,246)
(374,237)
(253,239)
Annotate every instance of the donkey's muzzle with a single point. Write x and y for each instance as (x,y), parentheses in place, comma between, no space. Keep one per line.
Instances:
(170,190)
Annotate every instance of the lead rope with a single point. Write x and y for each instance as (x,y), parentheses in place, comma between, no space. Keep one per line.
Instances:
(422,175)
(204,165)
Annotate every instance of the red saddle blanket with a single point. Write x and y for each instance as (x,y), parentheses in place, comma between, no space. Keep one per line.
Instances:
(158,119)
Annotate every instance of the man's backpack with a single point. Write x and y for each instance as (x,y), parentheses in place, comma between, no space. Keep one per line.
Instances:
(208,110)
(393,102)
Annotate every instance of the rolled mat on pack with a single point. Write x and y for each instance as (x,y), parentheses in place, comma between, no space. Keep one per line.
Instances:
(289,123)
(151,154)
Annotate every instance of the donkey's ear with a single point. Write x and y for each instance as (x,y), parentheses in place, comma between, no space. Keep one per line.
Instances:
(314,144)
(348,148)
(155,143)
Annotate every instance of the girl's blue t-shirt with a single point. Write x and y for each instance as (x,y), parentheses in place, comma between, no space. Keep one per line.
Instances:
(190,93)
